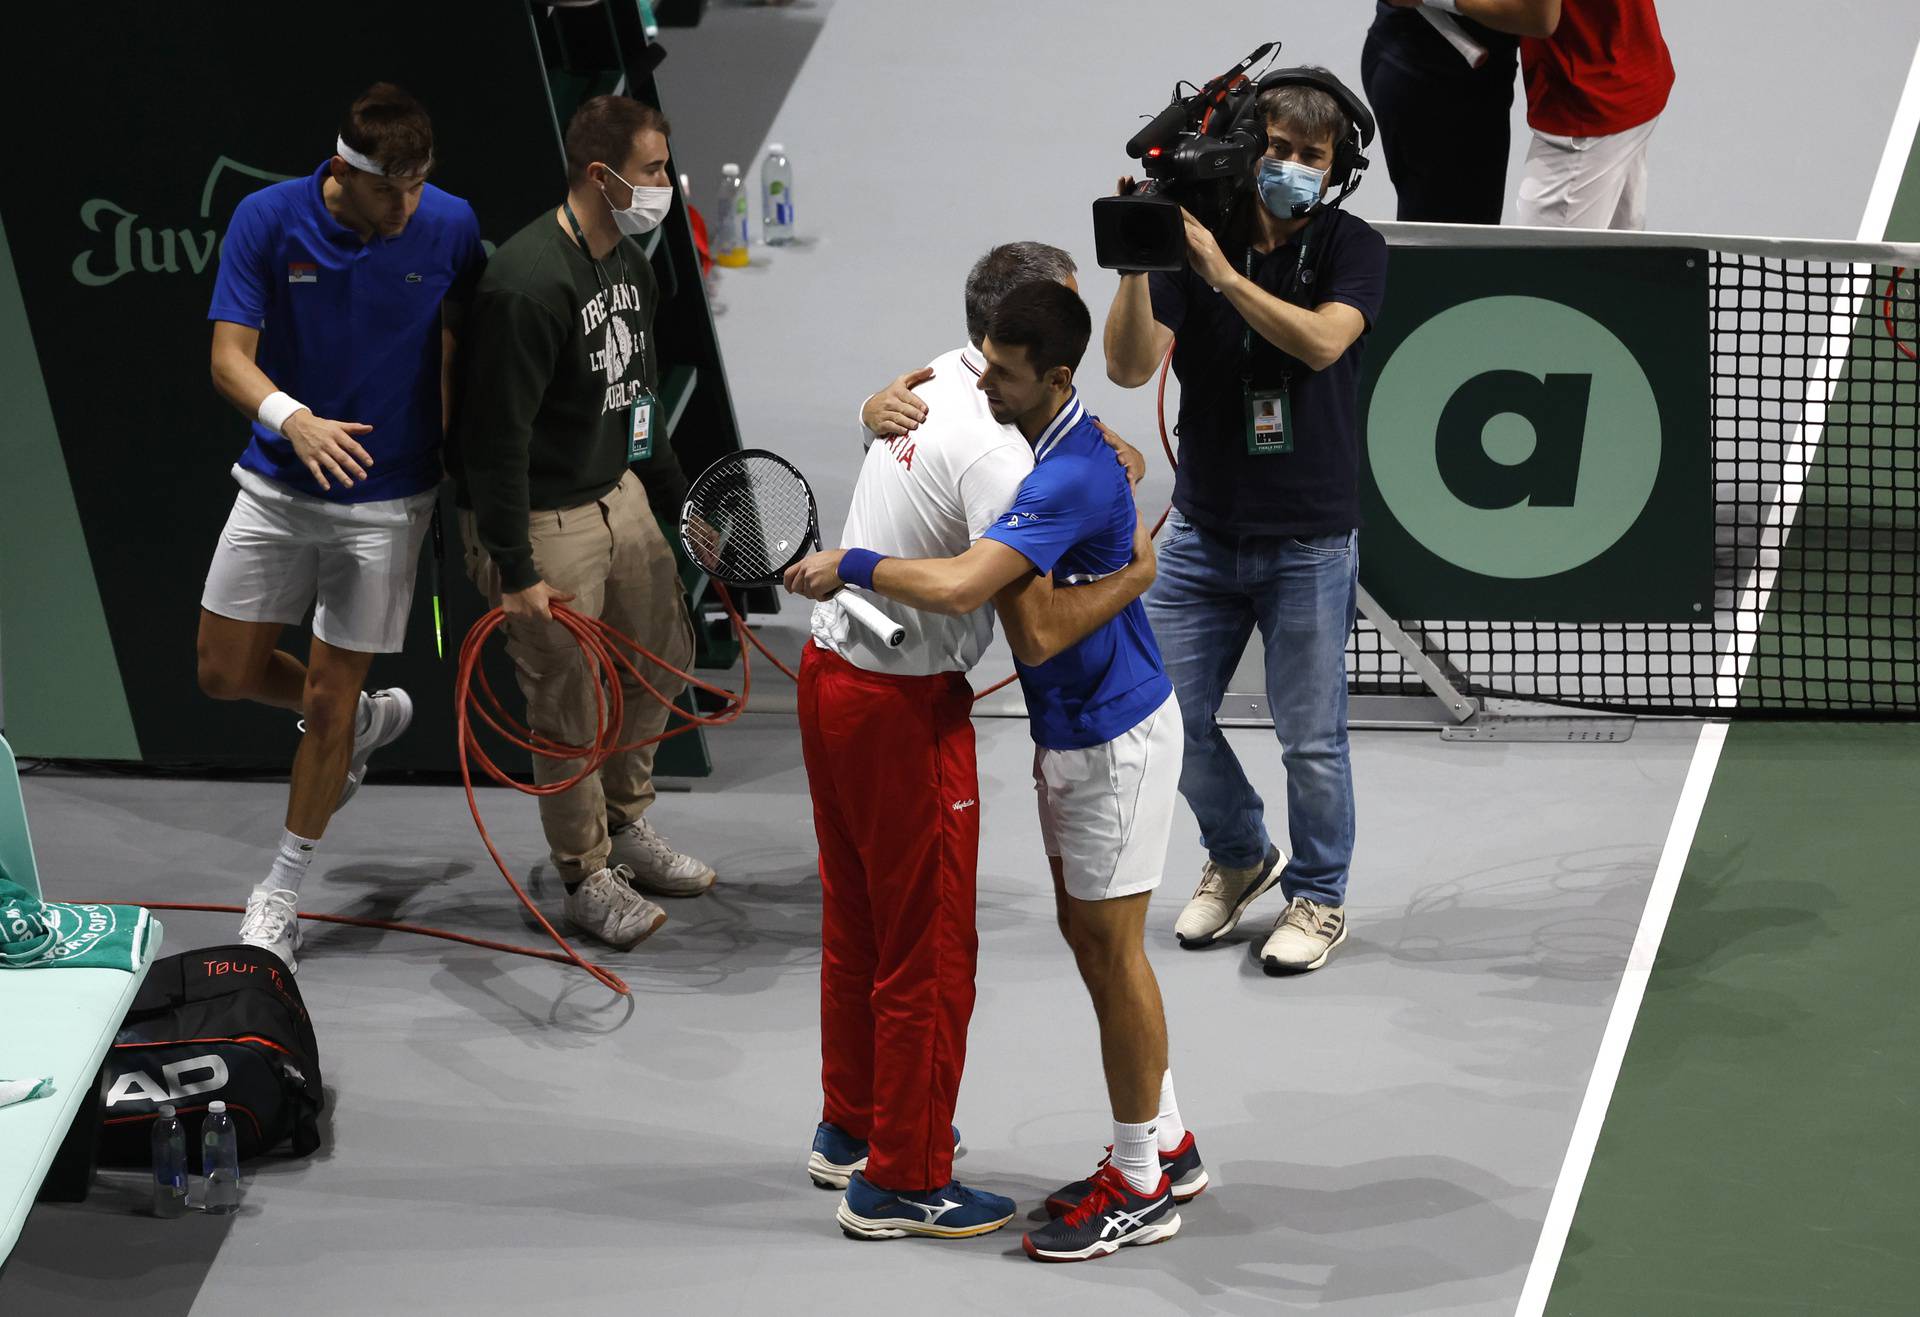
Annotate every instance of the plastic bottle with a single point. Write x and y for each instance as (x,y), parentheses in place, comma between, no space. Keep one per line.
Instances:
(220,1161)
(729,236)
(169,1165)
(776,196)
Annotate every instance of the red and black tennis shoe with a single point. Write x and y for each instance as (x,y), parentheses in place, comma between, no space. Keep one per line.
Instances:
(1113,1215)
(1182,1167)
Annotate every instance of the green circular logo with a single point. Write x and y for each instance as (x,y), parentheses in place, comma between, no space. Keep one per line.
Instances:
(1514,437)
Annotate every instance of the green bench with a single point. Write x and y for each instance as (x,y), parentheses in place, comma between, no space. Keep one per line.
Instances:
(56,1022)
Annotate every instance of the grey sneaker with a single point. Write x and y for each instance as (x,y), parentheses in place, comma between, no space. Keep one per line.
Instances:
(606,906)
(383,716)
(273,921)
(1222,897)
(658,868)
(1303,937)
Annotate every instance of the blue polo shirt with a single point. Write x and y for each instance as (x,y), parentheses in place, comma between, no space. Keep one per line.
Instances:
(350,328)
(1073,517)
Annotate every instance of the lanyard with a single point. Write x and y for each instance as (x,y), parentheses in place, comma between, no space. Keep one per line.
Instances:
(1293,286)
(646,348)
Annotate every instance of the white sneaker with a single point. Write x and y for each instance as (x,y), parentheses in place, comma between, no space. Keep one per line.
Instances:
(657,867)
(606,906)
(382,717)
(273,921)
(1222,897)
(1303,937)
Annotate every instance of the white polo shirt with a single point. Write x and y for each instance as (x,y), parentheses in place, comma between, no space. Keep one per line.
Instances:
(930,494)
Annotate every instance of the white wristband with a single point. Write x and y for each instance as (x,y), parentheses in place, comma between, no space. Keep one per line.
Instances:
(275,410)
(1446,6)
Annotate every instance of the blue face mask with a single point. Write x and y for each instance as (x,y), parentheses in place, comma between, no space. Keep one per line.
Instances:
(1288,188)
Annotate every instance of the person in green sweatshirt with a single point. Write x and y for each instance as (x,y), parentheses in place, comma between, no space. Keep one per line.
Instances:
(560,374)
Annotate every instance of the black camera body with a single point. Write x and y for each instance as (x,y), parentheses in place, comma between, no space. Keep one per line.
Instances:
(1201,152)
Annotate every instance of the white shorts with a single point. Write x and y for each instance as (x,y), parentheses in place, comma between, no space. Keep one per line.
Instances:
(1586,182)
(352,563)
(1107,810)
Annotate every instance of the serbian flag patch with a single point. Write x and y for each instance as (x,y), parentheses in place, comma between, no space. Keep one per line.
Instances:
(303,272)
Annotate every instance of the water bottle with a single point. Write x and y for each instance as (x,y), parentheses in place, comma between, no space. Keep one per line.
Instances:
(776,196)
(729,236)
(220,1161)
(169,1165)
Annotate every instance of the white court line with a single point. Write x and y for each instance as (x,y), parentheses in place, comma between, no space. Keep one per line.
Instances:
(1686,816)
(1626,1007)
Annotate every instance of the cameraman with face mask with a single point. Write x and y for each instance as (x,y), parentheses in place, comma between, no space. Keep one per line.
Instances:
(1267,324)
(560,400)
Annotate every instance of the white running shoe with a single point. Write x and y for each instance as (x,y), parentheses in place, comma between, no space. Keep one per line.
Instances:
(605,906)
(658,868)
(382,716)
(273,921)
(1222,897)
(1303,937)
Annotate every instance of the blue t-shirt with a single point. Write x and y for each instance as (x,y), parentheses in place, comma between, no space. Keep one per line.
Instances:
(1073,517)
(350,328)
(1315,489)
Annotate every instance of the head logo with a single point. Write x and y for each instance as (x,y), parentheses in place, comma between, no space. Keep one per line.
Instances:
(1514,437)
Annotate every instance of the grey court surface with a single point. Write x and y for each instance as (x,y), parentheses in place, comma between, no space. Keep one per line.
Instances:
(1385,1133)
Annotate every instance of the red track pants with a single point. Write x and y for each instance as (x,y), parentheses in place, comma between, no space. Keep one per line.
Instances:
(896,810)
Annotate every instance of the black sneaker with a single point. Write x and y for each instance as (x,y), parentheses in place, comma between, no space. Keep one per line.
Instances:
(1112,1216)
(1182,1166)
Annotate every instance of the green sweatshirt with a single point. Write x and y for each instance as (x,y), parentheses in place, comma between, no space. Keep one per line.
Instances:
(553,355)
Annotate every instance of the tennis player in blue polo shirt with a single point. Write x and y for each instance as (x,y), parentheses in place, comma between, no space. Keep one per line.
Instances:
(331,331)
(1107,745)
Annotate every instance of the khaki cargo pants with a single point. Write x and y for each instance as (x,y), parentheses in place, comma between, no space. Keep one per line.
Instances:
(610,556)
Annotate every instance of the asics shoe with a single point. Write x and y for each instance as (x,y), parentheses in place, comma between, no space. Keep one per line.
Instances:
(1183,1168)
(1113,1216)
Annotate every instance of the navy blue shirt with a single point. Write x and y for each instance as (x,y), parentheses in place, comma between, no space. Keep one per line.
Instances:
(350,328)
(1314,490)
(1073,517)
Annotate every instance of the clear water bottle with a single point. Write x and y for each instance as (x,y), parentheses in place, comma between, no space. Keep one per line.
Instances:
(776,196)
(220,1161)
(729,236)
(169,1165)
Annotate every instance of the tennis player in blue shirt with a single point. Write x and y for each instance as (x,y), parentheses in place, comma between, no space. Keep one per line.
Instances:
(331,333)
(1107,740)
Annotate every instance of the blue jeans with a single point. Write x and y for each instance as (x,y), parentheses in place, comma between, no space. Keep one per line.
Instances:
(1211,592)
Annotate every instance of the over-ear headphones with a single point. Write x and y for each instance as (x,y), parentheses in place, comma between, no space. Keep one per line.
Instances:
(1344,174)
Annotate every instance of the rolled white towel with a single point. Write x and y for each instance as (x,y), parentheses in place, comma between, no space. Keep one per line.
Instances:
(19,1090)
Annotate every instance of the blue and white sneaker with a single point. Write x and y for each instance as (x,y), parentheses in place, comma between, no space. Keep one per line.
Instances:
(1113,1216)
(955,1212)
(837,1155)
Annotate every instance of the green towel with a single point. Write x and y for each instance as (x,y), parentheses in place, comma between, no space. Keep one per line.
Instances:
(37,934)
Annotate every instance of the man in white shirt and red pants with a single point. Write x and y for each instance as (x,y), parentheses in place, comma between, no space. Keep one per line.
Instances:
(888,740)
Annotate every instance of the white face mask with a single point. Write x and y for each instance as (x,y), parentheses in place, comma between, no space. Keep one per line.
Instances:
(649,208)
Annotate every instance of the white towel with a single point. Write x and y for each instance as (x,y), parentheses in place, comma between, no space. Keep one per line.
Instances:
(19,1090)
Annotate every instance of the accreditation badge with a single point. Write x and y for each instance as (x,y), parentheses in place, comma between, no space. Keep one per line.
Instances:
(1269,422)
(640,427)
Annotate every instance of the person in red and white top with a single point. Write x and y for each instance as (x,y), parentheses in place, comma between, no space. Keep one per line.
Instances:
(1598,75)
(888,742)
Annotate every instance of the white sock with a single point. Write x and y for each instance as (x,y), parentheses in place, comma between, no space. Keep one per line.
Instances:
(1169,1130)
(1135,1155)
(290,864)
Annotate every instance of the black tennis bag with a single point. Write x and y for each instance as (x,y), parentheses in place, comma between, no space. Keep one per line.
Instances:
(221,1023)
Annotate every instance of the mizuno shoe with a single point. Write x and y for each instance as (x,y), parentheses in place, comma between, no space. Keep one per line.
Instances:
(955,1212)
(1183,1170)
(837,1155)
(1112,1216)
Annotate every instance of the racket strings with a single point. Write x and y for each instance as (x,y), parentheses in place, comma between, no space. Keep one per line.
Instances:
(747,520)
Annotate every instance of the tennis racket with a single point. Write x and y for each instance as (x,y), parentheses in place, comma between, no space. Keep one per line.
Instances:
(750,516)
